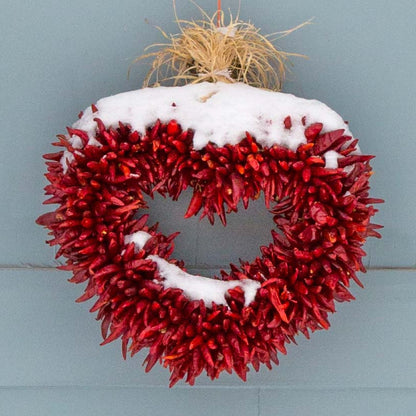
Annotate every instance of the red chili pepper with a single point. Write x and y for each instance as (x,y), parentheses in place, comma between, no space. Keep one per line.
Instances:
(312,131)
(194,205)
(173,128)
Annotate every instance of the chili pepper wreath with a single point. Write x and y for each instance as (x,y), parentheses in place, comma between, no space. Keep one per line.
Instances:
(229,141)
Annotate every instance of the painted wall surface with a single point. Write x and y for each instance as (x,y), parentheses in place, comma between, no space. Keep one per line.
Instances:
(58,57)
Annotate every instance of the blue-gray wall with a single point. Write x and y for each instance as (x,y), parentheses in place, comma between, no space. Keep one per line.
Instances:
(56,58)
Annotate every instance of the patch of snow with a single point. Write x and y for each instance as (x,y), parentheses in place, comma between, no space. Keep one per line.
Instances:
(199,287)
(195,287)
(75,141)
(331,159)
(139,238)
(227,30)
(223,118)
(66,159)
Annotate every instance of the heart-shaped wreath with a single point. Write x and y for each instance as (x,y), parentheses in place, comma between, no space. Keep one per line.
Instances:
(230,143)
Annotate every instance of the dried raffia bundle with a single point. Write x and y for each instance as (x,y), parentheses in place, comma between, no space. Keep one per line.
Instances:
(207,50)
(230,143)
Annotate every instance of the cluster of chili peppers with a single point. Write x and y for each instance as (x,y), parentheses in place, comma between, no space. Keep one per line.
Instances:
(322,219)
